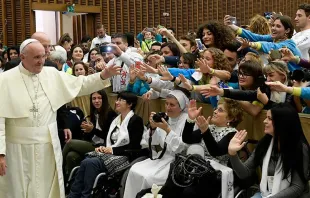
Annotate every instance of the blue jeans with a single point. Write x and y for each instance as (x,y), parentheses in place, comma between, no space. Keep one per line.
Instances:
(257,195)
(85,178)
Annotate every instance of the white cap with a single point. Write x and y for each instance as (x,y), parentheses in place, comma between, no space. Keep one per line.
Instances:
(25,43)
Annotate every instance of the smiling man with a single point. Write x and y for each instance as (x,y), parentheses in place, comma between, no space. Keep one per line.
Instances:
(30,153)
(302,38)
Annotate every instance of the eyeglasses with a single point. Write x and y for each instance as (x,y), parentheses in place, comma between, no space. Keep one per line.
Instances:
(220,110)
(120,100)
(243,75)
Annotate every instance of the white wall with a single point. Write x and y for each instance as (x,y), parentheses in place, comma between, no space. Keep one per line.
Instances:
(46,21)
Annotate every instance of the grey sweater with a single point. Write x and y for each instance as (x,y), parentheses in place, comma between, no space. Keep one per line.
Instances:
(297,187)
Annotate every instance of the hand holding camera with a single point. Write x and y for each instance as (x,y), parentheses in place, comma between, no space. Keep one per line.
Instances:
(159,120)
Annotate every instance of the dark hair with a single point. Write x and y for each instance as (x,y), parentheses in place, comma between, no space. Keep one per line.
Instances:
(173,47)
(85,39)
(156,44)
(130,98)
(151,53)
(253,69)
(233,47)
(171,28)
(287,23)
(3,53)
(190,59)
(222,34)
(98,51)
(104,109)
(190,39)
(130,39)
(2,62)
(73,48)
(99,26)
(12,48)
(305,7)
(289,140)
(122,36)
(80,63)
(65,37)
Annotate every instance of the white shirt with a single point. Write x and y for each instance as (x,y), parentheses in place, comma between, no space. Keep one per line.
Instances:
(302,40)
(97,40)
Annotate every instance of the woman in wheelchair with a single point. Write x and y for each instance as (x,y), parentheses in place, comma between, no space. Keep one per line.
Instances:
(214,134)
(164,139)
(125,133)
(95,131)
(282,154)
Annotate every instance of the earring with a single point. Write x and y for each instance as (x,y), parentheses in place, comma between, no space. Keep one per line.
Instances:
(227,123)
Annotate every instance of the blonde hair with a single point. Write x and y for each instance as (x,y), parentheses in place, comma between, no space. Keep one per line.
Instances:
(259,25)
(277,66)
(255,58)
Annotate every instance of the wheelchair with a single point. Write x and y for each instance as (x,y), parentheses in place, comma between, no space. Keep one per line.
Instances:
(111,186)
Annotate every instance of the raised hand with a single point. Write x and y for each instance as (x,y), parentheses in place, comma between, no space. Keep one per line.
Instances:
(110,71)
(202,123)
(100,66)
(166,33)
(133,73)
(147,96)
(245,43)
(166,75)
(262,97)
(203,66)
(287,55)
(149,69)
(192,110)
(185,83)
(213,90)
(237,142)
(227,20)
(157,59)
(277,86)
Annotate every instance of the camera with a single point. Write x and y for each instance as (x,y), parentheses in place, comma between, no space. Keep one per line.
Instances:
(158,116)
(105,48)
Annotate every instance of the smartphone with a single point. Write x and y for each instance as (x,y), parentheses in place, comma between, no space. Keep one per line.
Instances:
(138,64)
(199,44)
(105,48)
(233,20)
(275,54)
(164,40)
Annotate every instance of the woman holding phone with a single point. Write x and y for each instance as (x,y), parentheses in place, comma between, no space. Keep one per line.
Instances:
(95,128)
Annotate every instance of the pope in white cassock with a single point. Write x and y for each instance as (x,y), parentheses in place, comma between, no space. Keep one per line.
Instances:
(30,153)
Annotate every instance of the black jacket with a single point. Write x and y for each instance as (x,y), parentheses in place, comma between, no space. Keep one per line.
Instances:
(135,129)
(251,95)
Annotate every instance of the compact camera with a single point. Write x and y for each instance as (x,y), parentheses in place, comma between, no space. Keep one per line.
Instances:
(158,116)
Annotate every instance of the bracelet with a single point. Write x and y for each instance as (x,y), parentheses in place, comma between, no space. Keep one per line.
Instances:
(194,87)
(190,120)
(179,83)
(212,71)
(297,59)
(173,79)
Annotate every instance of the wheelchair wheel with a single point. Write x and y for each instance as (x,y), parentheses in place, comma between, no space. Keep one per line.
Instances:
(123,183)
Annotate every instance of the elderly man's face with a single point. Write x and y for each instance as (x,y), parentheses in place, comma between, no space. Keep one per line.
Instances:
(33,58)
